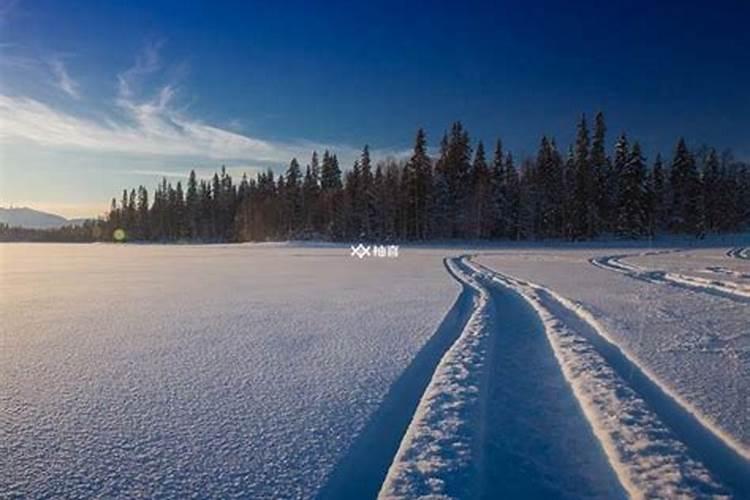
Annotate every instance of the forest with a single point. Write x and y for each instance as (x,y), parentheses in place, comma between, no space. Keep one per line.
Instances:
(464,192)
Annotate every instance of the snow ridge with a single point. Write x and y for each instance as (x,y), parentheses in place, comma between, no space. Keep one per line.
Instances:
(435,458)
(739,253)
(719,288)
(626,407)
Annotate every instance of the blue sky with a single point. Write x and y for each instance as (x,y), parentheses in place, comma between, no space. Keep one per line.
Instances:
(97,96)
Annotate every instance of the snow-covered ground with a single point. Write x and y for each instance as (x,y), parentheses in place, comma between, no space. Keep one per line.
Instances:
(688,338)
(238,370)
(299,371)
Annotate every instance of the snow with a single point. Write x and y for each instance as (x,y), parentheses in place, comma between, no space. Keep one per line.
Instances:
(435,458)
(295,370)
(234,370)
(649,460)
(695,342)
(698,269)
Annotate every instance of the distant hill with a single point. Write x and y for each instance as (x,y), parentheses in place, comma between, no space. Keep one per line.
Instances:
(32,219)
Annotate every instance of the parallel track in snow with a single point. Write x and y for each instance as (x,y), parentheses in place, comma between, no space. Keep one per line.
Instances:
(739,253)
(657,443)
(725,289)
(493,423)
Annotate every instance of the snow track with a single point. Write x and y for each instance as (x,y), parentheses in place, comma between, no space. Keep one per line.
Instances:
(498,420)
(656,443)
(436,457)
(739,253)
(362,470)
(725,289)
(534,399)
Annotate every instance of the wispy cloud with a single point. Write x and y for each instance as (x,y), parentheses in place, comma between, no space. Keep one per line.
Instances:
(63,80)
(151,129)
(152,126)
(201,173)
(146,63)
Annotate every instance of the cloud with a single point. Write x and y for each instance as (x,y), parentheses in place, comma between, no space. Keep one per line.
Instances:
(147,126)
(152,128)
(146,63)
(63,79)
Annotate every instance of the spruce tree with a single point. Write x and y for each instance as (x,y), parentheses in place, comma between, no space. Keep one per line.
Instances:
(479,224)
(293,198)
(602,186)
(583,195)
(499,193)
(686,205)
(632,211)
(711,191)
(192,206)
(659,195)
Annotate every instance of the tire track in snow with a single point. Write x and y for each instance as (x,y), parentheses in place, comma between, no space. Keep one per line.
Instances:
(739,253)
(656,443)
(436,457)
(614,263)
(360,473)
(536,441)
(498,419)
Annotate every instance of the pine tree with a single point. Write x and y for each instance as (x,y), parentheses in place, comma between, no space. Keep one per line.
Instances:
(499,192)
(380,199)
(131,215)
(659,195)
(601,169)
(293,198)
(549,180)
(480,223)
(180,215)
(142,214)
(192,206)
(569,189)
(686,206)
(391,201)
(417,187)
(365,197)
(583,196)
(711,191)
(310,198)
(441,215)
(516,209)
(632,211)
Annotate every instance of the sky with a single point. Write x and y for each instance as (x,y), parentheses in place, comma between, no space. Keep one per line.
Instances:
(99,96)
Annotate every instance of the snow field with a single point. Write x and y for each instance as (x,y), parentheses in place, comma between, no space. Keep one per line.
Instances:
(649,460)
(696,342)
(232,370)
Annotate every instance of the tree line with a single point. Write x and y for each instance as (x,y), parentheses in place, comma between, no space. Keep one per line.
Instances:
(465,192)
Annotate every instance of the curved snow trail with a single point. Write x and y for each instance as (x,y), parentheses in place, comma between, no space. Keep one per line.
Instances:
(436,455)
(656,443)
(360,473)
(728,272)
(732,291)
(739,253)
(498,419)
(536,441)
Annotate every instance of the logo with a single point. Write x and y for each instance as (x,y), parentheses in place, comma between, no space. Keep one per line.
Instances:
(381,251)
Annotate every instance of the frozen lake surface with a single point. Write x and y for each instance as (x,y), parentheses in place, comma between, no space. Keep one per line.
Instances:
(238,370)
(295,371)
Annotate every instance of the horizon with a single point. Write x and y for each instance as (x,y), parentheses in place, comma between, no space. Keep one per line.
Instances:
(88,112)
